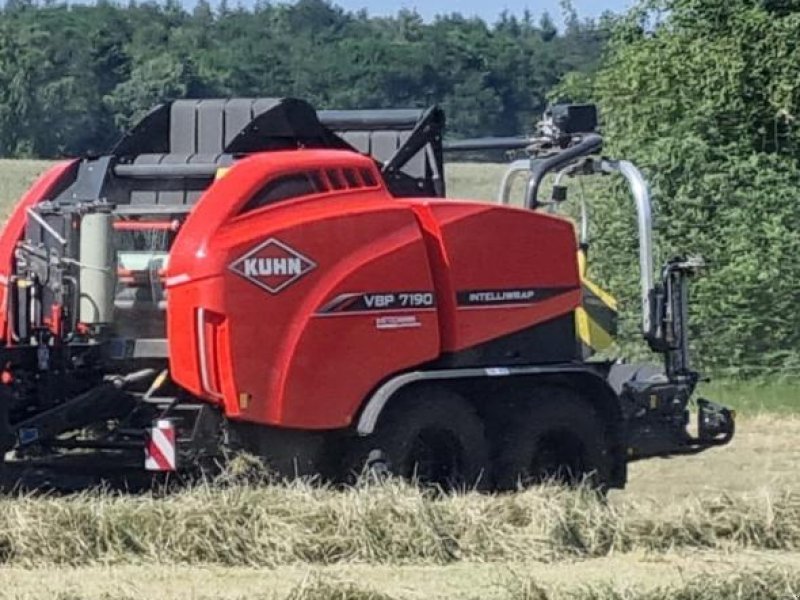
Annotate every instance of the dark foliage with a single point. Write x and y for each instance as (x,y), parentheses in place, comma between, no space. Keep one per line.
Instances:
(71,77)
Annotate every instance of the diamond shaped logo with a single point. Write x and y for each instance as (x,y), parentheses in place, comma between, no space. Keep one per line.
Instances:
(272,265)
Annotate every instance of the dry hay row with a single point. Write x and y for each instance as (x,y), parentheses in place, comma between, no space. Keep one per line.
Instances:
(390,523)
(753,585)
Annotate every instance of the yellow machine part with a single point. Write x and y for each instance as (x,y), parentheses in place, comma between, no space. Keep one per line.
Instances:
(596,318)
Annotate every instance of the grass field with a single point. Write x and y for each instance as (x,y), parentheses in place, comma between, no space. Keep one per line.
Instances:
(722,524)
(707,526)
(463,180)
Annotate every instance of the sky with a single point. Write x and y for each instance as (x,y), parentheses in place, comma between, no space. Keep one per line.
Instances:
(486,9)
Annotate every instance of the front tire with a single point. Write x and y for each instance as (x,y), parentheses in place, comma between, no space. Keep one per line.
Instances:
(430,436)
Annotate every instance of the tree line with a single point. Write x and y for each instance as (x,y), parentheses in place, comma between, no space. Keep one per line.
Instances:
(72,77)
(705,95)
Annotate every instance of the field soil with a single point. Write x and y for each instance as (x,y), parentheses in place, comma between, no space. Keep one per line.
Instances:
(631,573)
(762,458)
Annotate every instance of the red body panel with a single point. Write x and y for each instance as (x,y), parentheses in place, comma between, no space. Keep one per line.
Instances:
(299,362)
(291,314)
(15,227)
(490,248)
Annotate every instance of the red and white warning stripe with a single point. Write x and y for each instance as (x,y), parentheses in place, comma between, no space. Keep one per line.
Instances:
(159,452)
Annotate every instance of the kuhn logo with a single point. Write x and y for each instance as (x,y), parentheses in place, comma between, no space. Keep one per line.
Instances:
(272,265)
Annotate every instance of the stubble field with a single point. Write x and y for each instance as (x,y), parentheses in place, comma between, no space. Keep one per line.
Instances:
(723,524)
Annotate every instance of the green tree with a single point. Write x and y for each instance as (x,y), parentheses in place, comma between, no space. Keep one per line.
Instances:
(72,76)
(705,94)
(156,80)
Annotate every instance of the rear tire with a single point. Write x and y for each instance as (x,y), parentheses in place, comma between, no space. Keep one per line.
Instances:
(559,437)
(431,436)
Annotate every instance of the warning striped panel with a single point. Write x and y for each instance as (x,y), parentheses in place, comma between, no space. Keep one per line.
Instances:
(160,452)
(596,319)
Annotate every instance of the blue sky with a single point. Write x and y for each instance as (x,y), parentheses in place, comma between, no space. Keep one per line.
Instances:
(487,9)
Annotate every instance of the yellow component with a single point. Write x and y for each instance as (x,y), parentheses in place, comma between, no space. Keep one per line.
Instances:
(590,333)
(595,319)
(23,283)
(221,172)
(607,298)
(582,264)
(603,295)
(244,400)
(162,377)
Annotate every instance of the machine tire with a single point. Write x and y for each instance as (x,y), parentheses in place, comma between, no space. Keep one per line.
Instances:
(558,437)
(431,436)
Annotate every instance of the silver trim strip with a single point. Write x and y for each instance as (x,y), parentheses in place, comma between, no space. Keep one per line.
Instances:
(205,380)
(374,313)
(375,405)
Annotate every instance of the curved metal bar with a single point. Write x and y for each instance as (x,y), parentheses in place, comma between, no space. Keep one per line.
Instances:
(641,195)
(583,236)
(584,228)
(514,169)
(590,144)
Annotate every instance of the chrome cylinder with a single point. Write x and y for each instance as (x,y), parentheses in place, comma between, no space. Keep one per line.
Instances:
(97,269)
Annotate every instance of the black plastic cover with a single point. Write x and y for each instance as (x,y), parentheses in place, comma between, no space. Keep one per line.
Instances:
(574,118)
(187,138)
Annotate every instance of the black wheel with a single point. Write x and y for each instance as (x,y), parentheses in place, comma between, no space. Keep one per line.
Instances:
(557,437)
(430,436)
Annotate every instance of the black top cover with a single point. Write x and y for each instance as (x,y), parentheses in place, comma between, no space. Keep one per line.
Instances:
(239,125)
(186,138)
